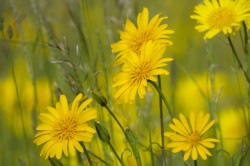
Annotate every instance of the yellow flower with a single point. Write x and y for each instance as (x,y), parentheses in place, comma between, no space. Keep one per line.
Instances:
(220,16)
(132,38)
(62,129)
(138,69)
(189,139)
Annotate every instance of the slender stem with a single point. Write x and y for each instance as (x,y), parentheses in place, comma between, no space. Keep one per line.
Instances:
(242,42)
(161,121)
(131,143)
(113,115)
(151,149)
(93,154)
(162,96)
(20,109)
(87,154)
(195,163)
(238,60)
(246,37)
(117,156)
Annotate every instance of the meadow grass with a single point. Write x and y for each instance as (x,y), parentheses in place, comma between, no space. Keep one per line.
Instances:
(54,48)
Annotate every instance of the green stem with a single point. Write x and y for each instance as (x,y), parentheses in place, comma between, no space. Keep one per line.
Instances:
(117,156)
(131,143)
(161,120)
(113,115)
(99,158)
(162,96)
(238,60)
(87,154)
(20,108)
(246,37)
(151,149)
(195,163)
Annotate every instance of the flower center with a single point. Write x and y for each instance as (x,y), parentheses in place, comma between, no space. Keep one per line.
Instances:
(220,18)
(194,138)
(142,72)
(139,40)
(66,129)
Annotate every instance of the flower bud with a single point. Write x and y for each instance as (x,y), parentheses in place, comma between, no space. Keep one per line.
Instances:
(99,98)
(102,132)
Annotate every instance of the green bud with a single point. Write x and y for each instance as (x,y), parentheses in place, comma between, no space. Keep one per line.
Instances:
(102,132)
(99,98)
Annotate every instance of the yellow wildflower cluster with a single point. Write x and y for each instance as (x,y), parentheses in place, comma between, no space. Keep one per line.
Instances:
(140,50)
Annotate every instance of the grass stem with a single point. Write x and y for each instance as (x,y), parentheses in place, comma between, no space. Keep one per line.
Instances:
(87,154)
(195,163)
(162,96)
(161,121)
(20,107)
(238,59)
(117,156)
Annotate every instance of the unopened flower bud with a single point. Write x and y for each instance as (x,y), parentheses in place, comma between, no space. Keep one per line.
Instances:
(102,132)
(99,98)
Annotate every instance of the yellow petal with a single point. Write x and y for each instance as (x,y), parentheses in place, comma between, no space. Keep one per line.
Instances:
(185,122)
(76,102)
(187,153)
(207,127)
(202,153)
(64,103)
(71,148)
(192,121)
(77,146)
(194,153)
(84,104)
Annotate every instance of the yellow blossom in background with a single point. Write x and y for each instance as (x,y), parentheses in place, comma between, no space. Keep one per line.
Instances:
(188,139)
(220,16)
(132,38)
(62,129)
(9,100)
(138,69)
(232,129)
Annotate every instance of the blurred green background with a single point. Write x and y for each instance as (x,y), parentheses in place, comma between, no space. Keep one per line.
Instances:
(63,46)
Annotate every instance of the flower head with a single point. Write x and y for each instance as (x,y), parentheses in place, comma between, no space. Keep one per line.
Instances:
(220,16)
(137,69)
(133,38)
(189,139)
(62,129)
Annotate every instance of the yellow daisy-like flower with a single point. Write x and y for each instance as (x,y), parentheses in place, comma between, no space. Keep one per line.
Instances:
(132,38)
(62,129)
(220,16)
(189,139)
(138,69)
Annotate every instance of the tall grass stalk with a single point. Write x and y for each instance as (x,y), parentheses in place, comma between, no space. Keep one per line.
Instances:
(162,97)
(87,154)
(238,59)
(20,107)
(103,161)
(117,156)
(162,125)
